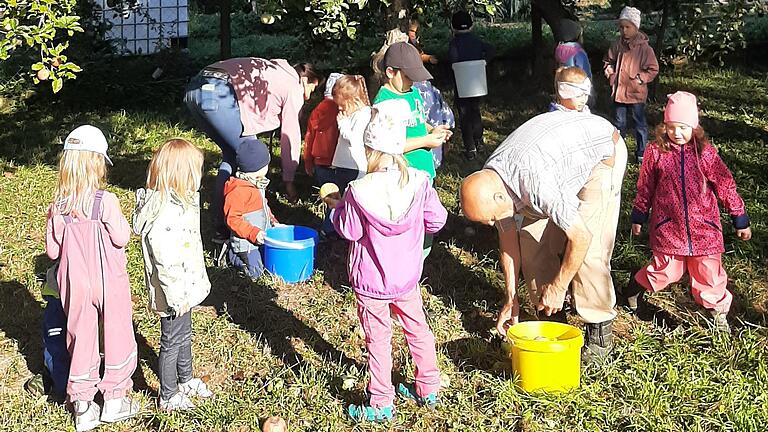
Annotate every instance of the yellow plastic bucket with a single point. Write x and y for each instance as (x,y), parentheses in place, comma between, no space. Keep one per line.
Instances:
(546,356)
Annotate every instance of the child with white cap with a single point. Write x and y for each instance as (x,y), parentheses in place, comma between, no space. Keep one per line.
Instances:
(678,190)
(572,90)
(87,233)
(385,216)
(630,65)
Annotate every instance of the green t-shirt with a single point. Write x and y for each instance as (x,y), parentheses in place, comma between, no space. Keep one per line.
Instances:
(417,127)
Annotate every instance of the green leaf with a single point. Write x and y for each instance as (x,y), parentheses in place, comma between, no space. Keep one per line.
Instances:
(57,84)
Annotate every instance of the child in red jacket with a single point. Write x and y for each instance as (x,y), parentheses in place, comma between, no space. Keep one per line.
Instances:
(246,210)
(681,180)
(322,135)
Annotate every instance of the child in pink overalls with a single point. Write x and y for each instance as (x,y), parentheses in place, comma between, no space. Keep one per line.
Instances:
(385,215)
(681,180)
(87,233)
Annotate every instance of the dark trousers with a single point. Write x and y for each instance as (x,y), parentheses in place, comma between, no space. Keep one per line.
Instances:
(341,177)
(213,106)
(637,111)
(175,359)
(470,122)
(55,354)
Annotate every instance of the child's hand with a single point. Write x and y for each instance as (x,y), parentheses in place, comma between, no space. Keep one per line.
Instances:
(744,234)
(433,59)
(609,71)
(332,200)
(636,229)
(261,236)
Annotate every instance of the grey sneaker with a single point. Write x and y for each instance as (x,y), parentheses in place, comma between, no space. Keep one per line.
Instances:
(116,410)
(86,415)
(721,321)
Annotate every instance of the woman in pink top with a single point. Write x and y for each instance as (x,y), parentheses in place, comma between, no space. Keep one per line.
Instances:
(234,100)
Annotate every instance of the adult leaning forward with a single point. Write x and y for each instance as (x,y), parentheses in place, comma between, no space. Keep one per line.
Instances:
(561,173)
(234,100)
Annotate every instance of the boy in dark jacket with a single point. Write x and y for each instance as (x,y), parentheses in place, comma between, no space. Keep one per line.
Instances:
(465,46)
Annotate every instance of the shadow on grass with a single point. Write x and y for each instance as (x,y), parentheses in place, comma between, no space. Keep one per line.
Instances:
(21,320)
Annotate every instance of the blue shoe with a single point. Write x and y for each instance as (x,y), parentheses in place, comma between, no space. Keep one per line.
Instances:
(408,391)
(366,413)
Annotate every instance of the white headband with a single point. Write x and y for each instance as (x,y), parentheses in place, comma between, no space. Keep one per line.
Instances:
(568,90)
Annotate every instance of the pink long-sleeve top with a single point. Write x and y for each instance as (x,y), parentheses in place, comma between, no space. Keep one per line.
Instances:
(270,95)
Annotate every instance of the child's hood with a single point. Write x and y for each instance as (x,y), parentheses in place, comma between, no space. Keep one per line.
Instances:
(391,210)
(149,204)
(639,40)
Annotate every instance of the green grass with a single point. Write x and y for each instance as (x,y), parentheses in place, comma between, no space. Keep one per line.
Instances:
(297,351)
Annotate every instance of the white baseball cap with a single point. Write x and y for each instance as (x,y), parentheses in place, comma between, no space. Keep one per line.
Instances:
(386,132)
(87,138)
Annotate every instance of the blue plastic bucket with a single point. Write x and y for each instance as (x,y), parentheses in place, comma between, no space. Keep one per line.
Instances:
(289,252)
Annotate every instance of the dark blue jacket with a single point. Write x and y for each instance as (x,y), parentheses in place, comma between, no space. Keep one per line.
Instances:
(468,47)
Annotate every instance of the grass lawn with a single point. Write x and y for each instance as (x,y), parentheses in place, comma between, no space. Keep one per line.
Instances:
(297,351)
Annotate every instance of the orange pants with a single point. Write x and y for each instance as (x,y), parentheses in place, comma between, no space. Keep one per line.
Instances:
(708,278)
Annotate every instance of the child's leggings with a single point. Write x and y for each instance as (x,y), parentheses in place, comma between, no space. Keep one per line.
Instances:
(85,308)
(708,278)
(375,317)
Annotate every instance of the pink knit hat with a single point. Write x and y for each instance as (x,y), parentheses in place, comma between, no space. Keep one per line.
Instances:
(682,108)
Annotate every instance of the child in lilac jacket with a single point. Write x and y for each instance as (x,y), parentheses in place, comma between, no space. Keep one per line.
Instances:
(385,215)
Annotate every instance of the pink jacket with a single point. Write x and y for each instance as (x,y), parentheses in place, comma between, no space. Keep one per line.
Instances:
(385,255)
(635,65)
(680,190)
(270,96)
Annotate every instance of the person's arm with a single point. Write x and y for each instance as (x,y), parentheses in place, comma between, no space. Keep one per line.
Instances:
(290,135)
(346,219)
(435,215)
(650,67)
(233,213)
(309,140)
(53,235)
(428,141)
(117,225)
(609,61)
(722,181)
(509,258)
(646,188)
(553,294)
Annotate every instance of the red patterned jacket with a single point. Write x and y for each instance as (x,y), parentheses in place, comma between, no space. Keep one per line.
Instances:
(680,189)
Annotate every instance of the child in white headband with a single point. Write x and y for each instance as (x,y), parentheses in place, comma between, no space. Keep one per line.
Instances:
(572,88)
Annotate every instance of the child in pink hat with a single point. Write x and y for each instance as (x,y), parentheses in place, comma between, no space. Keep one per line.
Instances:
(681,180)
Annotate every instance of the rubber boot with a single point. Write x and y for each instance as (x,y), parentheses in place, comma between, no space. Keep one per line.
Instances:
(598,340)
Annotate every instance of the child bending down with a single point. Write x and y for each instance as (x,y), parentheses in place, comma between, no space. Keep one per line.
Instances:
(385,215)
(681,180)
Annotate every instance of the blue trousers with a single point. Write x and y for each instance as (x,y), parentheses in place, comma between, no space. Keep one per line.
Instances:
(641,124)
(213,106)
(55,355)
(341,177)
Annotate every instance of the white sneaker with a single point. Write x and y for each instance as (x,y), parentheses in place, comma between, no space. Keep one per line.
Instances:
(177,402)
(721,322)
(86,415)
(116,410)
(195,387)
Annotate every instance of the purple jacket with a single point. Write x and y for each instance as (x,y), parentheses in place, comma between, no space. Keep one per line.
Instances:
(385,255)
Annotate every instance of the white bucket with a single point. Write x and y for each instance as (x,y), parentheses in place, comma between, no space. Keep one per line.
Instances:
(470,78)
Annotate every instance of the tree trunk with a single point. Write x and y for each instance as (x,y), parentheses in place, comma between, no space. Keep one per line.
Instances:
(659,45)
(225,31)
(536,39)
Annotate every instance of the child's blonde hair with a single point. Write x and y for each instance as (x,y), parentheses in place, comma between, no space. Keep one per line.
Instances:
(350,89)
(81,174)
(569,74)
(177,166)
(378,160)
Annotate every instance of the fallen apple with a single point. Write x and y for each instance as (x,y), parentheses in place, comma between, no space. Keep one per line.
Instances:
(275,424)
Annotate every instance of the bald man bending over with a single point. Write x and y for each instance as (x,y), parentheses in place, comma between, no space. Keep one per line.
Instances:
(562,172)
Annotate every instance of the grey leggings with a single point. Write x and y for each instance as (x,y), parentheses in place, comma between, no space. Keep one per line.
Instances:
(175,359)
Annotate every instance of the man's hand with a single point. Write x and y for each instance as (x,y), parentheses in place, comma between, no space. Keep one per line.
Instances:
(552,298)
(744,234)
(637,228)
(508,316)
